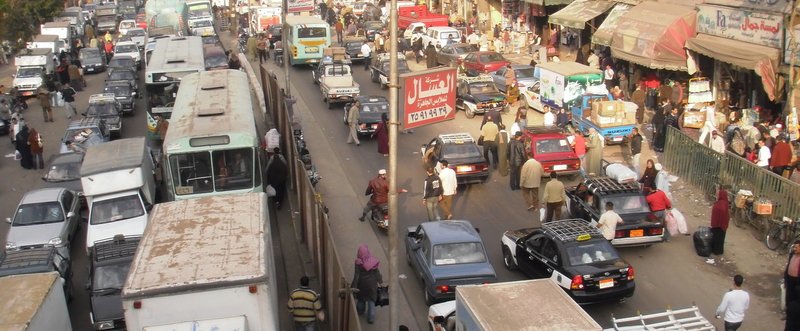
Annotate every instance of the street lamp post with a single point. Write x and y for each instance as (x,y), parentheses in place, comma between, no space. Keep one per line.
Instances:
(394,292)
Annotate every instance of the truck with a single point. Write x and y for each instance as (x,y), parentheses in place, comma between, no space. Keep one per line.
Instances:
(33,302)
(204,264)
(486,307)
(50,41)
(336,82)
(419,14)
(577,87)
(63,30)
(164,16)
(76,18)
(106,16)
(34,66)
(119,186)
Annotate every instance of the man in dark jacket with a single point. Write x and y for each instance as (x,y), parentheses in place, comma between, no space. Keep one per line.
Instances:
(277,171)
(378,188)
(430,55)
(516,158)
(432,193)
(636,149)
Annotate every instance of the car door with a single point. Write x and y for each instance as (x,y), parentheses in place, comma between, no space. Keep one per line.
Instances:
(549,258)
(470,64)
(445,55)
(526,254)
(418,258)
(72,213)
(499,79)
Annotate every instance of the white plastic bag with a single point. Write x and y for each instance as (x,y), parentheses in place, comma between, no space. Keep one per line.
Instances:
(670,223)
(273,139)
(680,220)
(270,191)
(59,99)
(621,173)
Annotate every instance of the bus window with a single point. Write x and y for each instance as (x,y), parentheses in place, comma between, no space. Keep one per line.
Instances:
(235,169)
(191,173)
(311,32)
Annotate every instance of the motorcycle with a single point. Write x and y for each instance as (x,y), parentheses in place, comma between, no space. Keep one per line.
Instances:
(379,215)
(279,56)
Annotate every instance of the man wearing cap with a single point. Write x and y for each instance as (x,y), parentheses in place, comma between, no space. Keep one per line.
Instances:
(717,143)
(516,158)
(781,155)
(378,187)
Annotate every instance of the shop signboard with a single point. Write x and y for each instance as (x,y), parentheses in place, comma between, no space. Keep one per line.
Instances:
(428,97)
(741,24)
(296,6)
(768,6)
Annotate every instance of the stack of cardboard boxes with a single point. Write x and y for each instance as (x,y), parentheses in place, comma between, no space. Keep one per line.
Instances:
(612,113)
(336,53)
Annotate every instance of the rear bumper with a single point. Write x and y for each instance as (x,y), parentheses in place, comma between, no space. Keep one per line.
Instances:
(613,294)
(473,178)
(637,241)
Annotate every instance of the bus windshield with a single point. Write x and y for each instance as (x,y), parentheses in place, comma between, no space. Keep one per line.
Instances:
(311,32)
(193,173)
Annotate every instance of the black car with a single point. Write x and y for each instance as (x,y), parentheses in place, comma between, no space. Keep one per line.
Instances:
(64,170)
(575,255)
(478,95)
(352,47)
(92,60)
(106,107)
(211,40)
(462,154)
(124,93)
(371,28)
(274,33)
(37,260)
(121,62)
(123,74)
(372,107)
(639,226)
(109,263)
(379,69)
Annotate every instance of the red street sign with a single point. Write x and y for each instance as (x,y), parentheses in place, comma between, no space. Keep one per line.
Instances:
(429,97)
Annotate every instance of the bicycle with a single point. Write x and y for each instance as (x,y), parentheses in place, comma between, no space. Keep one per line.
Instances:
(782,233)
(747,214)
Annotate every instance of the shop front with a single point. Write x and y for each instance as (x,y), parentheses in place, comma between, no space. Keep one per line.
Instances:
(575,17)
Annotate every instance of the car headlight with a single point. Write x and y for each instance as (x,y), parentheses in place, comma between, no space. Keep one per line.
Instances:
(104,325)
(55,241)
(11,245)
(471,105)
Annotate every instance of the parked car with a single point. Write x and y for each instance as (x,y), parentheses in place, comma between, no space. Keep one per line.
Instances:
(138,36)
(477,63)
(83,133)
(524,74)
(551,148)
(453,54)
(573,253)
(105,106)
(38,260)
(64,170)
(447,254)
(478,95)
(109,262)
(44,217)
(380,65)
(92,60)
(639,226)
(123,74)
(372,107)
(124,93)
(462,154)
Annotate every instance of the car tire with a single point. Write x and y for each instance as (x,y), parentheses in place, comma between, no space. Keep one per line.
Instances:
(508,260)
(469,112)
(330,104)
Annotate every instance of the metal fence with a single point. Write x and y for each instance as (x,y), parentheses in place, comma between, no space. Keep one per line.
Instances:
(700,166)
(313,221)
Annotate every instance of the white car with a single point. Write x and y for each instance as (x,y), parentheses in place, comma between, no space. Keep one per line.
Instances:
(129,48)
(442,316)
(438,36)
(138,36)
(126,25)
(114,214)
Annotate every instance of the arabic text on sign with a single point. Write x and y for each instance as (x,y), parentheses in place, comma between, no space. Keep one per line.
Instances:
(427,114)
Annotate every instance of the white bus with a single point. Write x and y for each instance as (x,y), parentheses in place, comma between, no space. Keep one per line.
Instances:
(306,37)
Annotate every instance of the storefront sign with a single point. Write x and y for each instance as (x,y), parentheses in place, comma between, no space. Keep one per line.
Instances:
(296,6)
(769,6)
(429,97)
(742,25)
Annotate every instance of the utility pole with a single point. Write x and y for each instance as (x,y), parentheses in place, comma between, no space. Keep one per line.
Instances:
(394,280)
(286,50)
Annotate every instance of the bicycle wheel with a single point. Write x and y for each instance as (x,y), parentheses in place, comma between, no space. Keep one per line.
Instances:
(775,237)
(738,217)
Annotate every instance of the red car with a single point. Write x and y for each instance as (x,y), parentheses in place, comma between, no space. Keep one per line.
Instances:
(551,148)
(141,21)
(477,63)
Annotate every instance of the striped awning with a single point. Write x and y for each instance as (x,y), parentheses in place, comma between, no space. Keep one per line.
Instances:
(576,14)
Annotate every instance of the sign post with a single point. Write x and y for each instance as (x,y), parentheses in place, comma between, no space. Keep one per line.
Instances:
(429,97)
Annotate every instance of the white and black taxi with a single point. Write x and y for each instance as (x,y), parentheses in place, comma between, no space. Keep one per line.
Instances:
(573,254)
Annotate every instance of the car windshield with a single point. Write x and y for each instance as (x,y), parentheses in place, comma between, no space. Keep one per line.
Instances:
(110,277)
(28,72)
(210,40)
(458,253)
(101,109)
(91,59)
(311,32)
(462,49)
(218,60)
(374,107)
(126,49)
(591,252)
(554,145)
(127,25)
(524,73)
(64,168)
(460,151)
(136,33)
(118,90)
(491,57)
(87,53)
(38,213)
(122,62)
(116,209)
(631,204)
(121,75)
(482,88)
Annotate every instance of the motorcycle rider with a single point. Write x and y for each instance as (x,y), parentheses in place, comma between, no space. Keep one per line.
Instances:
(378,187)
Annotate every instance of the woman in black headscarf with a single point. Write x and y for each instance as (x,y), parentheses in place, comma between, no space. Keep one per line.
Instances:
(26,160)
(648,179)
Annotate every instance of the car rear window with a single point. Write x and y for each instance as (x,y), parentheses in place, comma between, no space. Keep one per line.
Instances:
(458,253)
(555,145)
(591,252)
(491,57)
(461,151)
(631,204)
(524,73)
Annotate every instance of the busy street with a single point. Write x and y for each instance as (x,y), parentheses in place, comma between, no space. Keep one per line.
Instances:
(529,148)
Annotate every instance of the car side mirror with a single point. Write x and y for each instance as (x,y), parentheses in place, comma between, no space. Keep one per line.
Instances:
(8,220)
(478,230)
(70,214)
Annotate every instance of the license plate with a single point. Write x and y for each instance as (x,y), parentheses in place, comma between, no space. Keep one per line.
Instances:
(617,139)
(27,93)
(607,283)
(463,168)
(312,49)
(637,233)
(560,167)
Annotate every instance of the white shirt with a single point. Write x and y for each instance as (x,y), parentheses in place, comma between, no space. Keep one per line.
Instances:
(711,115)
(763,156)
(608,74)
(594,61)
(549,119)
(473,39)
(608,224)
(733,305)
(718,144)
(447,177)
(365,50)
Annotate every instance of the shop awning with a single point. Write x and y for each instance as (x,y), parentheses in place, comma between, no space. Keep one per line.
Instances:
(653,34)
(606,30)
(576,14)
(761,59)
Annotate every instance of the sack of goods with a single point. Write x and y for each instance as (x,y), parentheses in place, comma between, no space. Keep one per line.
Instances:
(741,198)
(702,241)
(620,173)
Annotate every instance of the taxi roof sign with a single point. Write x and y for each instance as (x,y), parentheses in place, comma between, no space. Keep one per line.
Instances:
(103,97)
(583,237)
(478,79)
(456,138)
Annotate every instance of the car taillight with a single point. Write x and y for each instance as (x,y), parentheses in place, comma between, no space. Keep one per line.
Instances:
(443,288)
(485,167)
(577,283)
(619,234)
(655,231)
(270,36)
(631,273)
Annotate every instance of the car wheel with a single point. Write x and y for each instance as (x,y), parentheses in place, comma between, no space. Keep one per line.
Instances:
(373,76)
(508,260)
(469,112)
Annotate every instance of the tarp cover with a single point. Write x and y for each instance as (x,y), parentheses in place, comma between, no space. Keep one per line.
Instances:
(653,34)
(576,14)
(606,30)
(761,59)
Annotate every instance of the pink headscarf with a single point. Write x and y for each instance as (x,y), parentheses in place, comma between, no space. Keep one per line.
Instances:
(365,258)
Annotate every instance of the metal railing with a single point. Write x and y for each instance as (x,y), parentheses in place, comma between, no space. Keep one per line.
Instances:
(700,166)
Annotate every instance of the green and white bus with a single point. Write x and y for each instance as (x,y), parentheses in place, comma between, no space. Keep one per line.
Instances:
(211,146)
(307,38)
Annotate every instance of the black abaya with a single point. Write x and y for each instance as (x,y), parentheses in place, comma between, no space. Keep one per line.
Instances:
(24,150)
